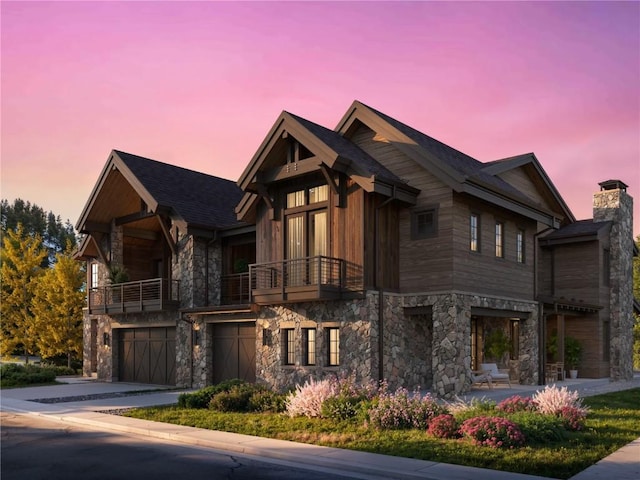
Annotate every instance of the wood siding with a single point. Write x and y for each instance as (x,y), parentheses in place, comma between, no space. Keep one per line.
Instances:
(483,272)
(522,180)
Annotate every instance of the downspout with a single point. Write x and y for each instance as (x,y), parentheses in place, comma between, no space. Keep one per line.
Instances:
(376,252)
(206,267)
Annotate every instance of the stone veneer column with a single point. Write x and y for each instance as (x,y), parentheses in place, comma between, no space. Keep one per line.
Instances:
(451,354)
(614,204)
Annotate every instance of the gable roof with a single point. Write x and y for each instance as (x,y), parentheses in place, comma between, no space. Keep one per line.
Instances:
(458,170)
(331,149)
(198,199)
(580,231)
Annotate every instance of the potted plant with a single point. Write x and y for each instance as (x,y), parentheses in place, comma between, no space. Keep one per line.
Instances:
(572,355)
(117,274)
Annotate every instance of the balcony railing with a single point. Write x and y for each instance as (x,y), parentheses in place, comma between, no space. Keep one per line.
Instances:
(155,294)
(302,279)
(235,289)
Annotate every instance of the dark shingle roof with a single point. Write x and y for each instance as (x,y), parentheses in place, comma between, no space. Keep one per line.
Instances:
(578,229)
(465,165)
(347,149)
(198,198)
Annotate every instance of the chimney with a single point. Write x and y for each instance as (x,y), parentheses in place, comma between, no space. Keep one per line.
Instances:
(612,203)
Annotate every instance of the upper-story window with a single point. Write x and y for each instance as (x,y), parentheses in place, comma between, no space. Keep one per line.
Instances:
(94,274)
(474,232)
(520,258)
(424,223)
(307,220)
(606,266)
(500,239)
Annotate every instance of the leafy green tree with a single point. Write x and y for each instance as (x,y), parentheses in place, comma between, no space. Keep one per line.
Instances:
(35,221)
(57,306)
(21,259)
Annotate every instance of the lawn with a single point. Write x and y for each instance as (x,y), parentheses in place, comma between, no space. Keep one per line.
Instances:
(613,421)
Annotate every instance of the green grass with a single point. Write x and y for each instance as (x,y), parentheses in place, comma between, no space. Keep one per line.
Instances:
(614,421)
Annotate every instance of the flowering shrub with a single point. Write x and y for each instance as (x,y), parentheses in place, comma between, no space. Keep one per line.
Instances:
(401,410)
(307,399)
(573,417)
(516,403)
(443,426)
(495,432)
(552,400)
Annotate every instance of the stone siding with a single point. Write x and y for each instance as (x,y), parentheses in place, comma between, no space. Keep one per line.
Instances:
(617,206)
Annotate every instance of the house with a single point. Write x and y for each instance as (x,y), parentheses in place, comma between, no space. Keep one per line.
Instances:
(371,250)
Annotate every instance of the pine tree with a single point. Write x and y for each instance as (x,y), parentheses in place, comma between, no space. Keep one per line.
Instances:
(21,258)
(57,305)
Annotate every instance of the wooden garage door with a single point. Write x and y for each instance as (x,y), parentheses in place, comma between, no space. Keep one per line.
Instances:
(148,355)
(234,351)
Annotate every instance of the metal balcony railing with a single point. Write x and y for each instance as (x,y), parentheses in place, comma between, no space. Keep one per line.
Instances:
(154,294)
(235,289)
(301,279)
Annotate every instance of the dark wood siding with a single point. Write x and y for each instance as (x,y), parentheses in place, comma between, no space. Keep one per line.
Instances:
(483,272)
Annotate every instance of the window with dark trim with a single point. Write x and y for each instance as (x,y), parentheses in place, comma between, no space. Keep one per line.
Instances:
(333,347)
(606,341)
(515,339)
(474,232)
(606,266)
(424,223)
(309,335)
(94,275)
(520,238)
(289,346)
(500,239)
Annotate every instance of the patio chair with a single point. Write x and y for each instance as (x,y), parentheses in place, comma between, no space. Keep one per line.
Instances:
(479,377)
(495,374)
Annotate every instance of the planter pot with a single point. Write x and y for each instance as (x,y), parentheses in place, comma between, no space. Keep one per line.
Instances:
(573,373)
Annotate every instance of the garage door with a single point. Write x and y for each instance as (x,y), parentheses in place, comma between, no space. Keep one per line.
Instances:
(147,355)
(234,351)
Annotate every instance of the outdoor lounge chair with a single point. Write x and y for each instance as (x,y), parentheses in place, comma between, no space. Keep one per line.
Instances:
(495,374)
(481,377)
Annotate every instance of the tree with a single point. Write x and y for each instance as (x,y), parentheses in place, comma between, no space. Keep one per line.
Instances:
(21,258)
(57,306)
(35,221)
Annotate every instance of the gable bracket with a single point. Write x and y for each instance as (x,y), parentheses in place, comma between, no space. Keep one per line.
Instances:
(103,257)
(262,191)
(167,236)
(337,191)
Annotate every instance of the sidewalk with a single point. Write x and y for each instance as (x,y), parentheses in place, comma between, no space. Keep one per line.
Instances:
(91,397)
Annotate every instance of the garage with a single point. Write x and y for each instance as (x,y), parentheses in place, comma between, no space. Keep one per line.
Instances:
(147,355)
(234,351)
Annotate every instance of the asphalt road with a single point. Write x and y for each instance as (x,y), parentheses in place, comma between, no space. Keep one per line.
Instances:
(35,448)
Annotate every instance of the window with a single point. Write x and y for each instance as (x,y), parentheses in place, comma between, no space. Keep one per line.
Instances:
(606,341)
(515,339)
(474,232)
(309,346)
(500,239)
(520,246)
(289,346)
(307,220)
(94,275)
(424,223)
(606,266)
(333,346)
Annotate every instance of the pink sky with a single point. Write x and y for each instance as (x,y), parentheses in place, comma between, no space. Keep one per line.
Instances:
(199,84)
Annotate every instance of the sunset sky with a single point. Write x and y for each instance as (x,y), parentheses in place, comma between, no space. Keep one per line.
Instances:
(199,84)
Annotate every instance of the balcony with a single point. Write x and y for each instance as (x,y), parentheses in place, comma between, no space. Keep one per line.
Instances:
(235,289)
(151,295)
(302,280)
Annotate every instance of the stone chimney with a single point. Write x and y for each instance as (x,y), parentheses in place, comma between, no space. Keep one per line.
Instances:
(612,203)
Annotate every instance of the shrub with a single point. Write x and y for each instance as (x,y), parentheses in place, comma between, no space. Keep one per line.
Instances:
(476,407)
(201,398)
(551,400)
(572,417)
(516,403)
(401,410)
(539,428)
(495,432)
(235,399)
(307,399)
(266,401)
(14,374)
(444,426)
(342,407)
